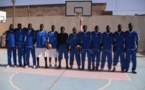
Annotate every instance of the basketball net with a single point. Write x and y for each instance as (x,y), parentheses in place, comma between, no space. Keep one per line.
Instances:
(79,16)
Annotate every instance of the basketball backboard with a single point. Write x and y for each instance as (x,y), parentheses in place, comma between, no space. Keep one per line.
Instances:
(2,16)
(82,7)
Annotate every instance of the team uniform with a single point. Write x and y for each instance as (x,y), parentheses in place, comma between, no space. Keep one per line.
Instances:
(107,40)
(41,39)
(62,46)
(95,46)
(29,42)
(20,37)
(74,40)
(52,39)
(131,46)
(119,39)
(11,44)
(86,43)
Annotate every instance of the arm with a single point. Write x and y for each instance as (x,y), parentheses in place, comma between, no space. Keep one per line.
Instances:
(114,43)
(57,42)
(67,44)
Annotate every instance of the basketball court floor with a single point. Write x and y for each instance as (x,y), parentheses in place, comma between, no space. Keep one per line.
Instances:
(66,79)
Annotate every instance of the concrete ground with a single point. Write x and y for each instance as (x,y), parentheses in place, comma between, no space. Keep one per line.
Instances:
(62,79)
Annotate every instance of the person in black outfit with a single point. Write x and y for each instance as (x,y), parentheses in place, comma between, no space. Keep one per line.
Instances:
(62,46)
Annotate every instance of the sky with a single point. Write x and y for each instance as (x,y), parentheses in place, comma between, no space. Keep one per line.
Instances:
(119,7)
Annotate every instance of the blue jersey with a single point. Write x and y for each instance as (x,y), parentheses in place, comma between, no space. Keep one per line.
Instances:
(52,38)
(11,38)
(107,41)
(119,38)
(41,38)
(96,40)
(74,40)
(131,38)
(85,40)
(30,36)
(20,36)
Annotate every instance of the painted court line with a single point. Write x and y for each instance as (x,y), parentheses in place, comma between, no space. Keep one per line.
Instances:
(109,82)
(128,76)
(56,80)
(10,81)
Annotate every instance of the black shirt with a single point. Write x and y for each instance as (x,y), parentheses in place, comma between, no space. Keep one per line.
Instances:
(62,38)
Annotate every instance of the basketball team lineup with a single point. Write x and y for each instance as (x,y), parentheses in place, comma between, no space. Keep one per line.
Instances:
(97,46)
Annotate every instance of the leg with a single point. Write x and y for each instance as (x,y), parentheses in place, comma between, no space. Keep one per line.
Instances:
(33,56)
(127,62)
(89,59)
(55,61)
(116,58)
(122,61)
(45,58)
(98,60)
(38,62)
(27,56)
(50,62)
(66,58)
(14,56)
(19,56)
(93,58)
(71,58)
(109,55)
(9,56)
(83,59)
(23,54)
(134,62)
(59,58)
(77,55)
(103,59)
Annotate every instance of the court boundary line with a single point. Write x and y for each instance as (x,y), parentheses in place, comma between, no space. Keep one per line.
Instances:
(56,79)
(11,83)
(109,82)
(128,77)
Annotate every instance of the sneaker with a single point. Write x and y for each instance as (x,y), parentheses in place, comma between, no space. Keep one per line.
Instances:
(46,67)
(50,65)
(26,66)
(55,65)
(97,69)
(71,67)
(67,67)
(7,66)
(20,65)
(15,66)
(82,68)
(59,67)
(126,70)
(122,70)
(114,69)
(134,72)
(109,70)
(102,69)
(34,67)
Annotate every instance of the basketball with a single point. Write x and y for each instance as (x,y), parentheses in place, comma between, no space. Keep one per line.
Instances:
(48,46)
(78,47)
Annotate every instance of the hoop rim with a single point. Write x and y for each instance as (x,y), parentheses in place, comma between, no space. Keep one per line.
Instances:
(78,14)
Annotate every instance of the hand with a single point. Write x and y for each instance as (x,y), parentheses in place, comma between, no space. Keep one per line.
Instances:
(114,50)
(68,50)
(124,50)
(136,50)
